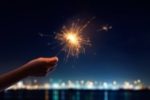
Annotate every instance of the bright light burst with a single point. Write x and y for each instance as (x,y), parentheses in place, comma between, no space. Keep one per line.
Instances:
(72,38)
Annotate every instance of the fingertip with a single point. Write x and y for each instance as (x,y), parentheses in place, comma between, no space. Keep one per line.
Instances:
(50,59)
(55,59)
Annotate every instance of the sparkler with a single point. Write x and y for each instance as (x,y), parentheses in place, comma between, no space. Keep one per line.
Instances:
(72,38)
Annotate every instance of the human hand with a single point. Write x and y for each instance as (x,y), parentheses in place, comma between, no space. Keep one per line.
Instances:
(40,66)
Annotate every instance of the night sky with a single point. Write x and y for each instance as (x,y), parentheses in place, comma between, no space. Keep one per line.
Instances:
(122,53)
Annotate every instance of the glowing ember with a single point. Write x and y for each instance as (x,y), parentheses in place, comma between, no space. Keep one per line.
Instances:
(72,38)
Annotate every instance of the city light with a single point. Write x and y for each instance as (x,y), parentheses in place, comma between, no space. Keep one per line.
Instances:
(114,85)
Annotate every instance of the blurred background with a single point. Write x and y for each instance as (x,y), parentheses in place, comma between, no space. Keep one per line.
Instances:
(118,58)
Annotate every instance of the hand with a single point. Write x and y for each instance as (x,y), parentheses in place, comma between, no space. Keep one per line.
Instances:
(40,66)
(36,67)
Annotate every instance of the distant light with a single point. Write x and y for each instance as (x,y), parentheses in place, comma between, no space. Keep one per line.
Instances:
(63,85)
(105,84)
(29,87)
(70,84)
(46,86)
(20,84)
(137,87)
(90,85)
(114,82)
(55,86)
(35,81)
(139,81)
(127,85)
(95,82)
(135,82)
(82,82)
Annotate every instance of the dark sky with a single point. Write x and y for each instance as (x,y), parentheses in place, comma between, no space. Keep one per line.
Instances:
(122,53)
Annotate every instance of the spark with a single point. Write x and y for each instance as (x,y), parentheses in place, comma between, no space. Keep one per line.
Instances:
(72,39)
(105,27)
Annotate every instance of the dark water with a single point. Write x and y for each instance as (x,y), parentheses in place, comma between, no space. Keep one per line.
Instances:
(74,95)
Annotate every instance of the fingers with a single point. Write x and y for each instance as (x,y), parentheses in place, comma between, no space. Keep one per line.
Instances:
(52,59)
(51,62)
(51,69)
